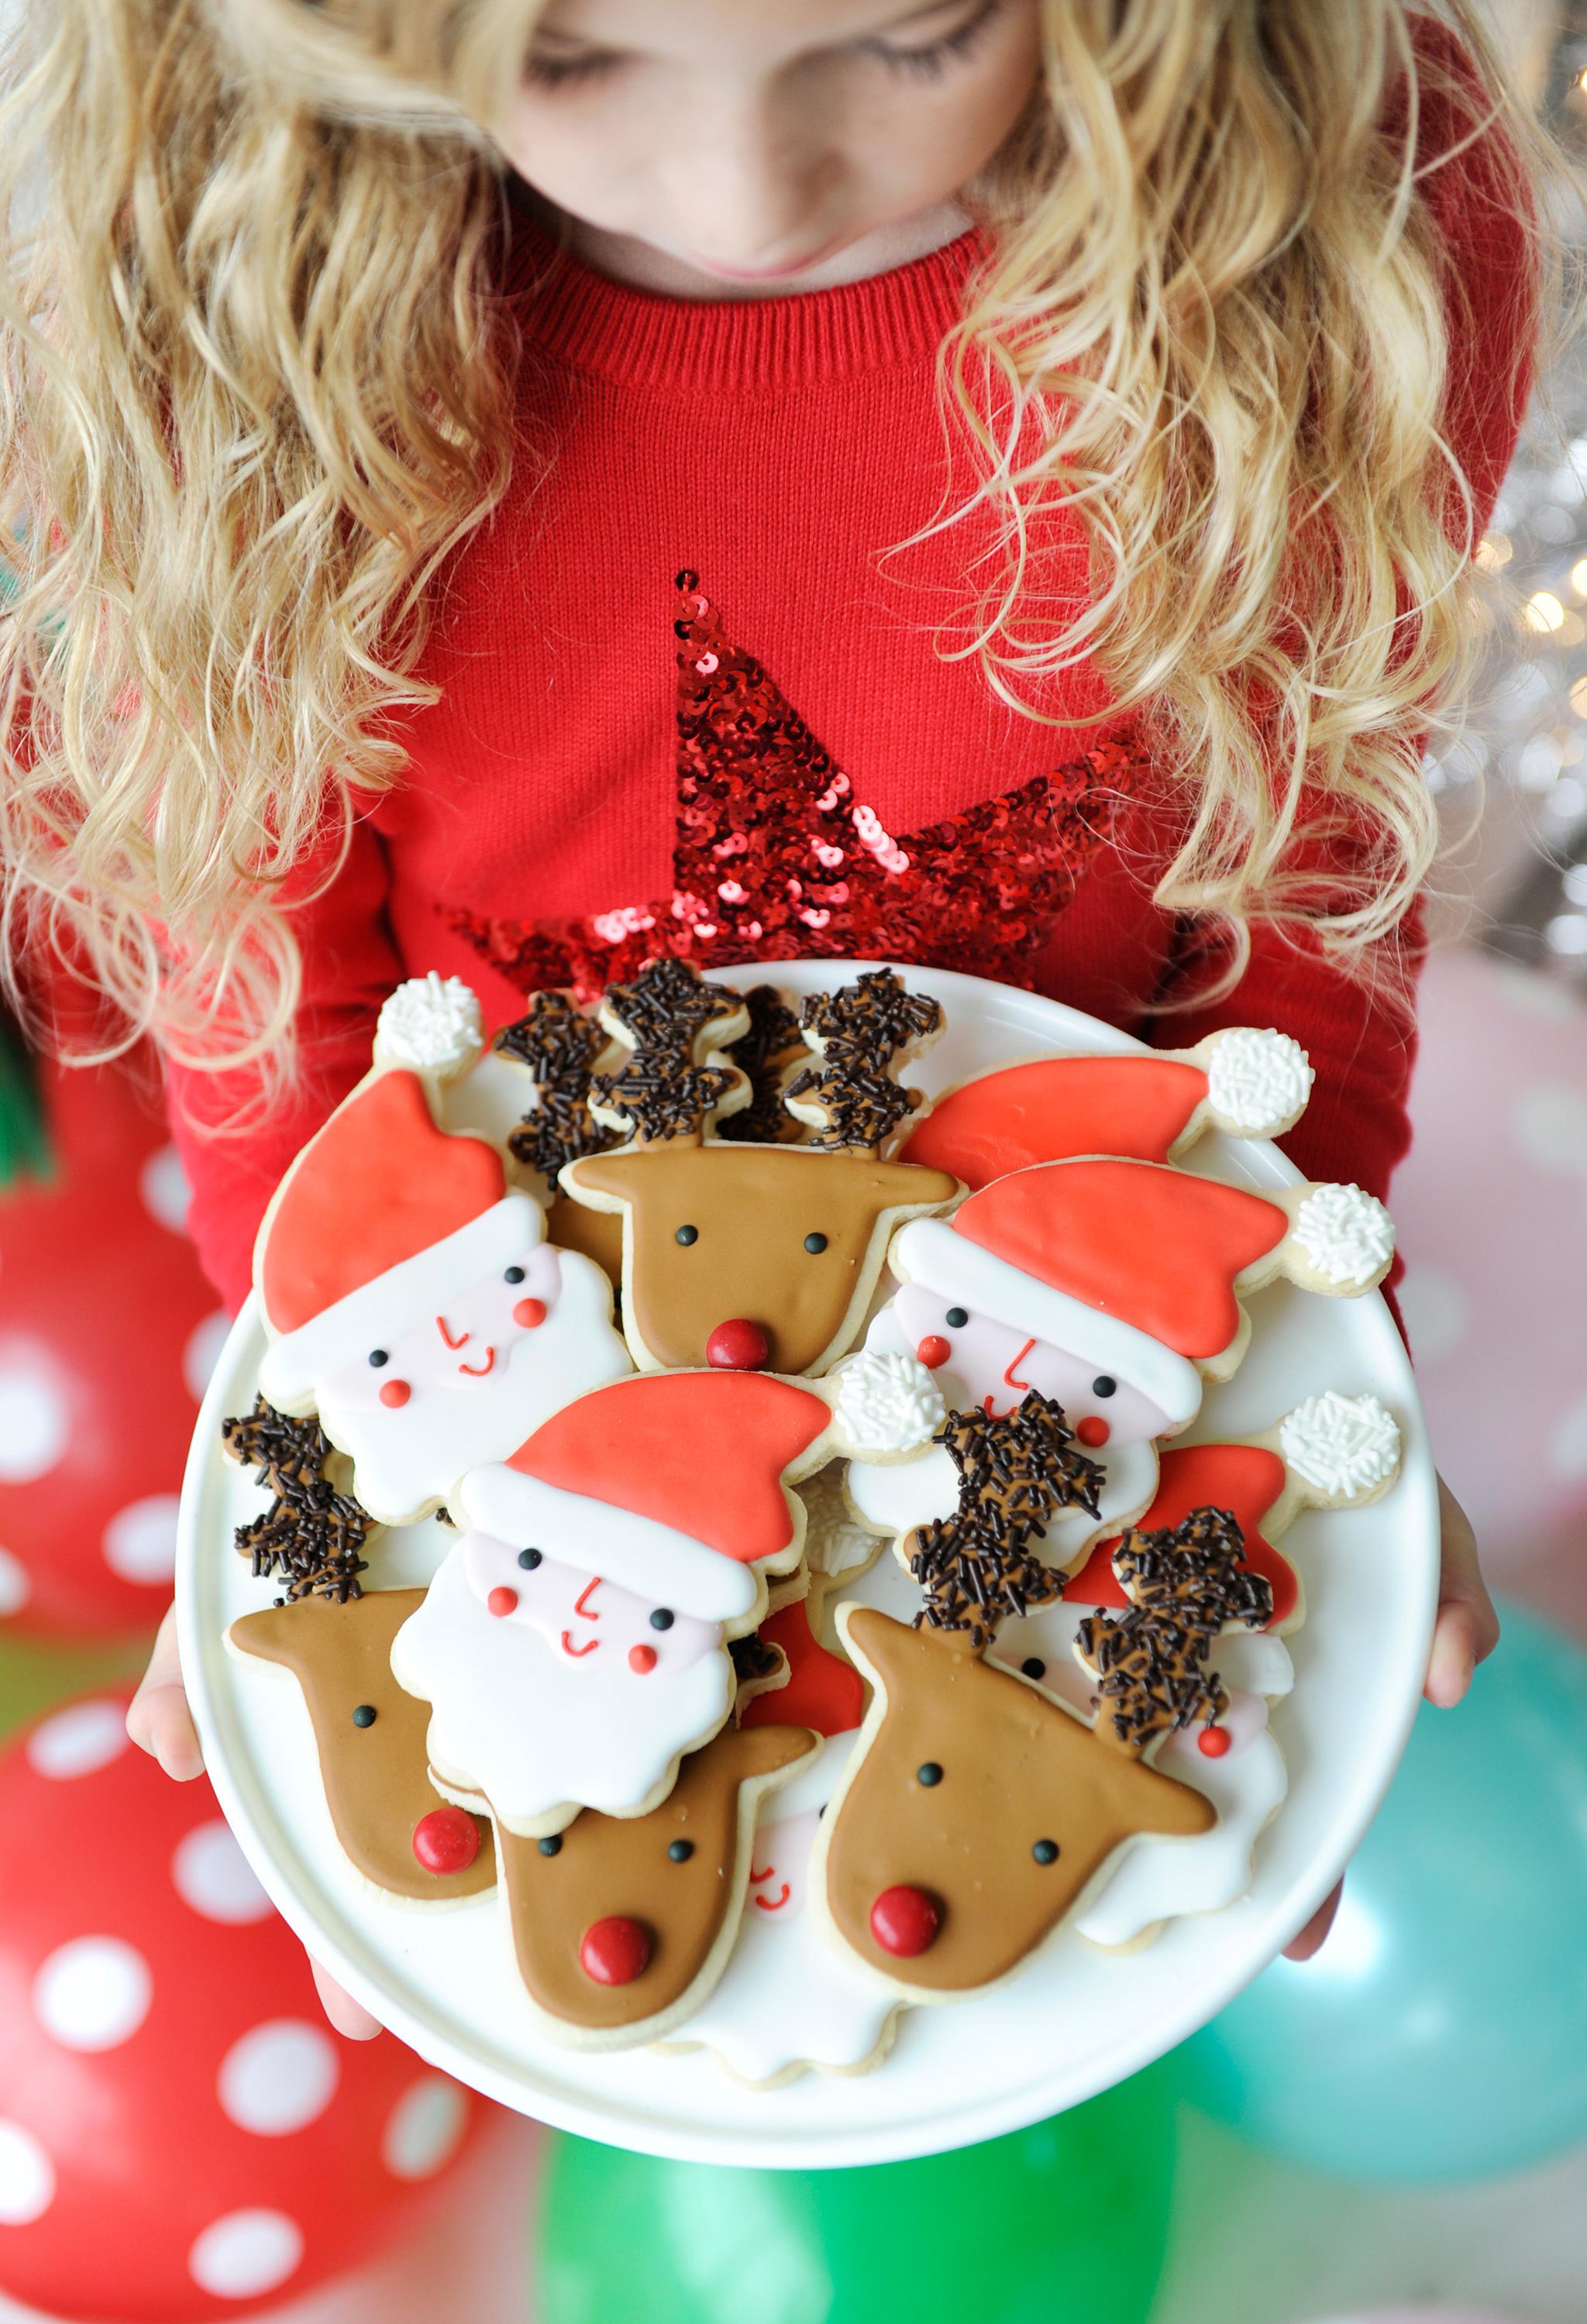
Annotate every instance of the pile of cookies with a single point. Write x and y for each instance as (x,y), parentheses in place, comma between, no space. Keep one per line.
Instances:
(823,1612)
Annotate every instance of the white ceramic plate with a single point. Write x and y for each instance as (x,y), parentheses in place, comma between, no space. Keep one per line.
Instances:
(1076,2020)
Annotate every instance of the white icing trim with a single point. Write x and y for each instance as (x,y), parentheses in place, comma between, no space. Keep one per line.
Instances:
(1346,1234)
(1343,1445)
(430,1024)
(888,1401)
(1258,1082)
(928,1251)
(655,1561)
(384,1308)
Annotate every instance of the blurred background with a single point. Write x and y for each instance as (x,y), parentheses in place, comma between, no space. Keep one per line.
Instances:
(1394,2135)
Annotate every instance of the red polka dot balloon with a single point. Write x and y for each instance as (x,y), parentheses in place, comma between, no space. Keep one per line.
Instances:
(182,2134)
(107,1334)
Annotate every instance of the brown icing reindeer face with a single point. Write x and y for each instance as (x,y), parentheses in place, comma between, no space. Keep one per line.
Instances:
(616,1918)
(978,1813)
(787,1237)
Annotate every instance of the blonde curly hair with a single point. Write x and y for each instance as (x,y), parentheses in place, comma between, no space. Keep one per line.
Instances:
(257,383)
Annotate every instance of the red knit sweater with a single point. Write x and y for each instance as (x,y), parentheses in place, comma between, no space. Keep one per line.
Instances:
(778,761)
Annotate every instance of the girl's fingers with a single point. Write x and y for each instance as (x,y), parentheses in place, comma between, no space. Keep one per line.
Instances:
(1310,1939)
(158,1718)
(1467,1629)
(348,2017)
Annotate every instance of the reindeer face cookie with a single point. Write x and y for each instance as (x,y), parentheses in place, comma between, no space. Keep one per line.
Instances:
(746,1255)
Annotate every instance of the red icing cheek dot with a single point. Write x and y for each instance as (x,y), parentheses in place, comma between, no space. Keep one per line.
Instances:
(446,1840)
(641,1659)
(1215,1741)
(904,1922)
(933,1351)
(502,1601)
(737,1346)
(395,1393)
(1092,1430)
(529,1313)
(615,1951)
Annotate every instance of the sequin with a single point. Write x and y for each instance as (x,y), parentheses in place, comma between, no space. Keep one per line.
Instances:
(814,869)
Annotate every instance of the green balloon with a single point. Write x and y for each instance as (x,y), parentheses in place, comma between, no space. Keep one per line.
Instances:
(1062,2224)
(35,1674)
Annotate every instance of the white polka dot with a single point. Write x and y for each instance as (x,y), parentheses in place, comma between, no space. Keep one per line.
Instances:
(164,1185)
(424,2128)
(1549,1122)
(93,1993)
(27,2177)
(1568,1452)
(202,1352)
(140,1541)
(78,1741)
(34,1424)
(1437,1312)
(245,2252)
(278,2078)
(214,1878)
(15,1587)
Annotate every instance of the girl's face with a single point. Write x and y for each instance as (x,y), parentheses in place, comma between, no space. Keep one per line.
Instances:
(778,144)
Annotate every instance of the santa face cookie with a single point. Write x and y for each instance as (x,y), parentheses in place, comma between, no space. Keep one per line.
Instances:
(412,1299)
(574,1645)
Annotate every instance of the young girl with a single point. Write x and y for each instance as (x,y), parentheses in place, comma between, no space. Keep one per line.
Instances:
(495,482)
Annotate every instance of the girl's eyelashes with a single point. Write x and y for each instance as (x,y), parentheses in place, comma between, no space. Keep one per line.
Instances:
(938,56)
(564,73)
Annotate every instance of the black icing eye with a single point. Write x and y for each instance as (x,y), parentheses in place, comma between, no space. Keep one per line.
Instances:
(661,1618)
(530,1558)
(1046,1851)
(814,1244)
(956,1318)
(378,1356)
(1102,1384)
(1033,1667)
(552,1844)
(514,1275)
(680,1850)
(685,1235)
(928,1773)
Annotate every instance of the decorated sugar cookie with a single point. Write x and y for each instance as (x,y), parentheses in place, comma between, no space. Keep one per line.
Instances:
(745,1255)
(412,1299)
(769,1054)
(622,1925)
(431,1025)
(1151,1106)
(574,1645)
(310,1540)
(396,1829)
(557,1051)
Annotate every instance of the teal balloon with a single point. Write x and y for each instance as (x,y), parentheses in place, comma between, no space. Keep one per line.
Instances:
(1442,2032)
(1064,2224)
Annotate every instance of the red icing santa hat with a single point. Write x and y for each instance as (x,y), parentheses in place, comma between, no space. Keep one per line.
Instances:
(669,1484)
(382,1219)
(1139,1105)
(1129,1265)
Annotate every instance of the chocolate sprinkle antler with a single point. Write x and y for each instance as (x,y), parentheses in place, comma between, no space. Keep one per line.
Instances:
(858,1030)
(1151,1663)
(660,1092)
(763,1055)
(1016,1471)
(559,1046)
(311,1535)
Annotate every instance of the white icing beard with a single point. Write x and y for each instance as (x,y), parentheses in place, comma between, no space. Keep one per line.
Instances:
(789,1997)
(409,1458)
(539,1732)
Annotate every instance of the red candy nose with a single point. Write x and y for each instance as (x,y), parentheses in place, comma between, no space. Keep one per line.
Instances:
(933,1350)
(529,1313)
(1093,1430)
(446,1840)
(395,1393)
(615,1951)
(904,1922)
(737,1346)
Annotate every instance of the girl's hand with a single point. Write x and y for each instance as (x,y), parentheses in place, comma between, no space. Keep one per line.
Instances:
(159,1721)
(1464,1634)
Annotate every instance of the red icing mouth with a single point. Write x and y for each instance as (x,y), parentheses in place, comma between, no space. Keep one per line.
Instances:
(766,1904)
(478,1371)
(568,1648)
